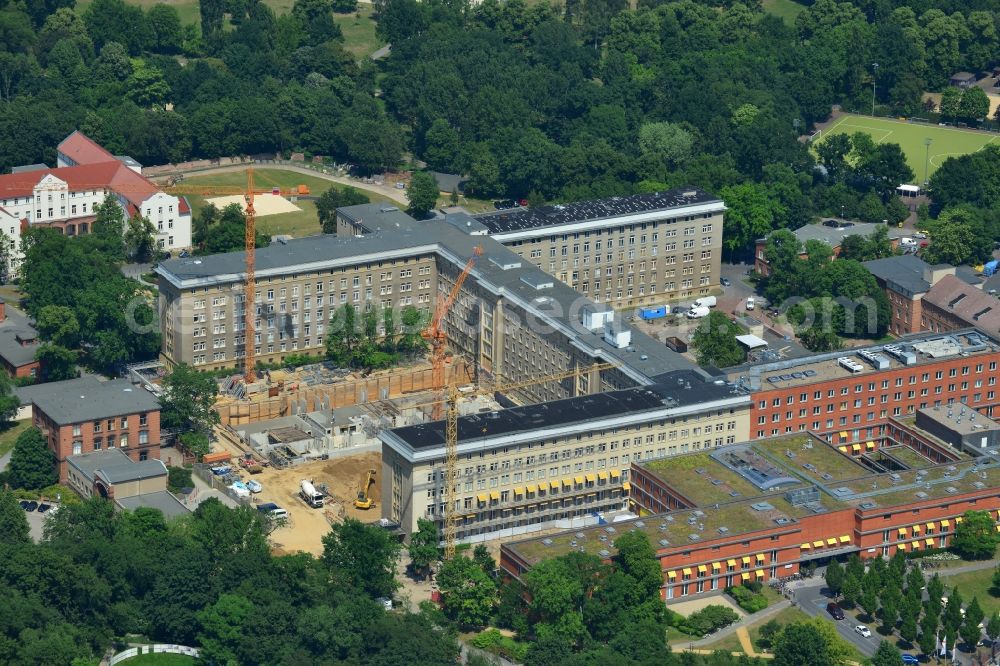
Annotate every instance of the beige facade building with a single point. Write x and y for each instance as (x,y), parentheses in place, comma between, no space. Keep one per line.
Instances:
(554,462)
(539,300)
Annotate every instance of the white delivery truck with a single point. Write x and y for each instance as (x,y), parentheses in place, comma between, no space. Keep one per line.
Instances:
(698,311)
(309,494)
(704,302)
(751,303)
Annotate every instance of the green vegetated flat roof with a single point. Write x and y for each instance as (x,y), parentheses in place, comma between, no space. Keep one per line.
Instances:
(908,456)
(681,474)
(795,452)
(885,490)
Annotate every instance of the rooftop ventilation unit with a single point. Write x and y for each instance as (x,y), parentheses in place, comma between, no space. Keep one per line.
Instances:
(850,365)
(877,361)
(617,335)
(664,543)
(782,521)
(762,506)
(547,542)
(604,553)
(694,537)
(866,505)
(723,530)
(505,264)
(904,356)
(639,523)
(537,281)
(593,319)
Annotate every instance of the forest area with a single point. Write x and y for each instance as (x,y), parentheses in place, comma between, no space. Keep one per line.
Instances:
(557,102)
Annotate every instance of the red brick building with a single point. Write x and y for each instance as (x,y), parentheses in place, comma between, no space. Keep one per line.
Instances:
(847,392)
(84,415)
(760,511)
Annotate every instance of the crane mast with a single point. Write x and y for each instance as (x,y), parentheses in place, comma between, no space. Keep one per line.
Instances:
(250,310)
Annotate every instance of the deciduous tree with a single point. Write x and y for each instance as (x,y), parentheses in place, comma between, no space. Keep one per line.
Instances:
(423,549)
(468,593)
(976,536)
(32,464)
(362,556)
(422,193)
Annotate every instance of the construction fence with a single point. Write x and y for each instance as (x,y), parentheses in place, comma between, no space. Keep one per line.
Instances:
(318,397)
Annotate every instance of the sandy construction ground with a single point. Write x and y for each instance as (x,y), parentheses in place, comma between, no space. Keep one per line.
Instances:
(263,204)
(307,526)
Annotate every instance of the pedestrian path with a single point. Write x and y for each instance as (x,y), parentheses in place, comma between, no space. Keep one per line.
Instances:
(744,636)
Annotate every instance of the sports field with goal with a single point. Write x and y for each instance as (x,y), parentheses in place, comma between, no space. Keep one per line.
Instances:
(945,141)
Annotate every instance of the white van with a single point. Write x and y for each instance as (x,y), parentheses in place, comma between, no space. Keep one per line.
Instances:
(751,303)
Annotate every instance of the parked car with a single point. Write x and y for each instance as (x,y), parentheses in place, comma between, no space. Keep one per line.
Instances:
(32,505)
(240,489)
(863,630)
(24,504)
(751,303)
(835,611)
(725,282)
(42,508)
(254,486)
(222,470)
(910,659)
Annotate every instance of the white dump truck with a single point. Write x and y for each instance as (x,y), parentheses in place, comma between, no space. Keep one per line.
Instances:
(309,494)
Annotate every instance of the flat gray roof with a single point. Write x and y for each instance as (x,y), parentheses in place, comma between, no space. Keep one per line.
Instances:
(903,272)
(398,235)
(88,463)
(167,504)
(834,236)
(132,471)
(88,399)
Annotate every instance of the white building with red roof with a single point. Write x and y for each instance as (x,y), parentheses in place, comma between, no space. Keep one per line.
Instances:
(65,197)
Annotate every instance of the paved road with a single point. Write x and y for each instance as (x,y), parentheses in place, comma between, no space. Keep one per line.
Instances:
(5,460)
(382,52)
(812,600)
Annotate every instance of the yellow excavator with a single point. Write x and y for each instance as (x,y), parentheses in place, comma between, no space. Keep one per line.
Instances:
(364,500)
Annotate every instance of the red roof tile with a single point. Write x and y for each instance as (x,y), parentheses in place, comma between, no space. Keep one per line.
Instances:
(83,150)
(107,175)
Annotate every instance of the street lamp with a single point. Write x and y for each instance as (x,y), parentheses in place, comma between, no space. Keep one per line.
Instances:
(927,156)
(874,77)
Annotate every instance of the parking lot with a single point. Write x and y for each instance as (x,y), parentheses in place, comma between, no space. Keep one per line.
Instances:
(36,519)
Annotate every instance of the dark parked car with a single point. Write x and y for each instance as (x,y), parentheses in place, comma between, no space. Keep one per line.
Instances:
(910,659)
(32,505)
(42,508)
(725,282)
(835,611)
(24,504)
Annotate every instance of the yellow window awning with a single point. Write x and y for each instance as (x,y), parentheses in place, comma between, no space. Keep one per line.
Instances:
(998,528)
(832,541)
(945,523)
(900,546)
(869,445)
(902,531)
(843,449)
(759,557)
(916,529)
(671,575)
(843,434)
(687,571)
(958,520)
(915,545)
(745,576)
(591,478)
(845,539)
(817,544)
(929,526)
(482,498)
(591,495)
(578,480)
(731,563)
(615,474)
(626,486)
(568,483)
(759,573)
(805,546)
(746,560)
(855,447)
(603,476)
(702,568)
(716,566)
(494,495)
(554,485)
(519,491)
(929,542)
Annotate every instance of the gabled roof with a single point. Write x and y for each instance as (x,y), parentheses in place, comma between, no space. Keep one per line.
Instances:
(112,175)
(904,273)
(81,149)
(88,399)
(966,302)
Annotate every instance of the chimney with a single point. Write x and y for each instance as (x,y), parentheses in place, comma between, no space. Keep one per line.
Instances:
(933,274)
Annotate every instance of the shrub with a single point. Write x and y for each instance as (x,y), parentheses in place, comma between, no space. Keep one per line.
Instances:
(178,477)
(747,599)
(493,641)
(709,619)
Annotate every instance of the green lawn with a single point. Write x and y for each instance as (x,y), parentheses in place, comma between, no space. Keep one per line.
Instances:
(9,434)
(974,583)
(160,660)
(945,141)
(786,10)
(304,222)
